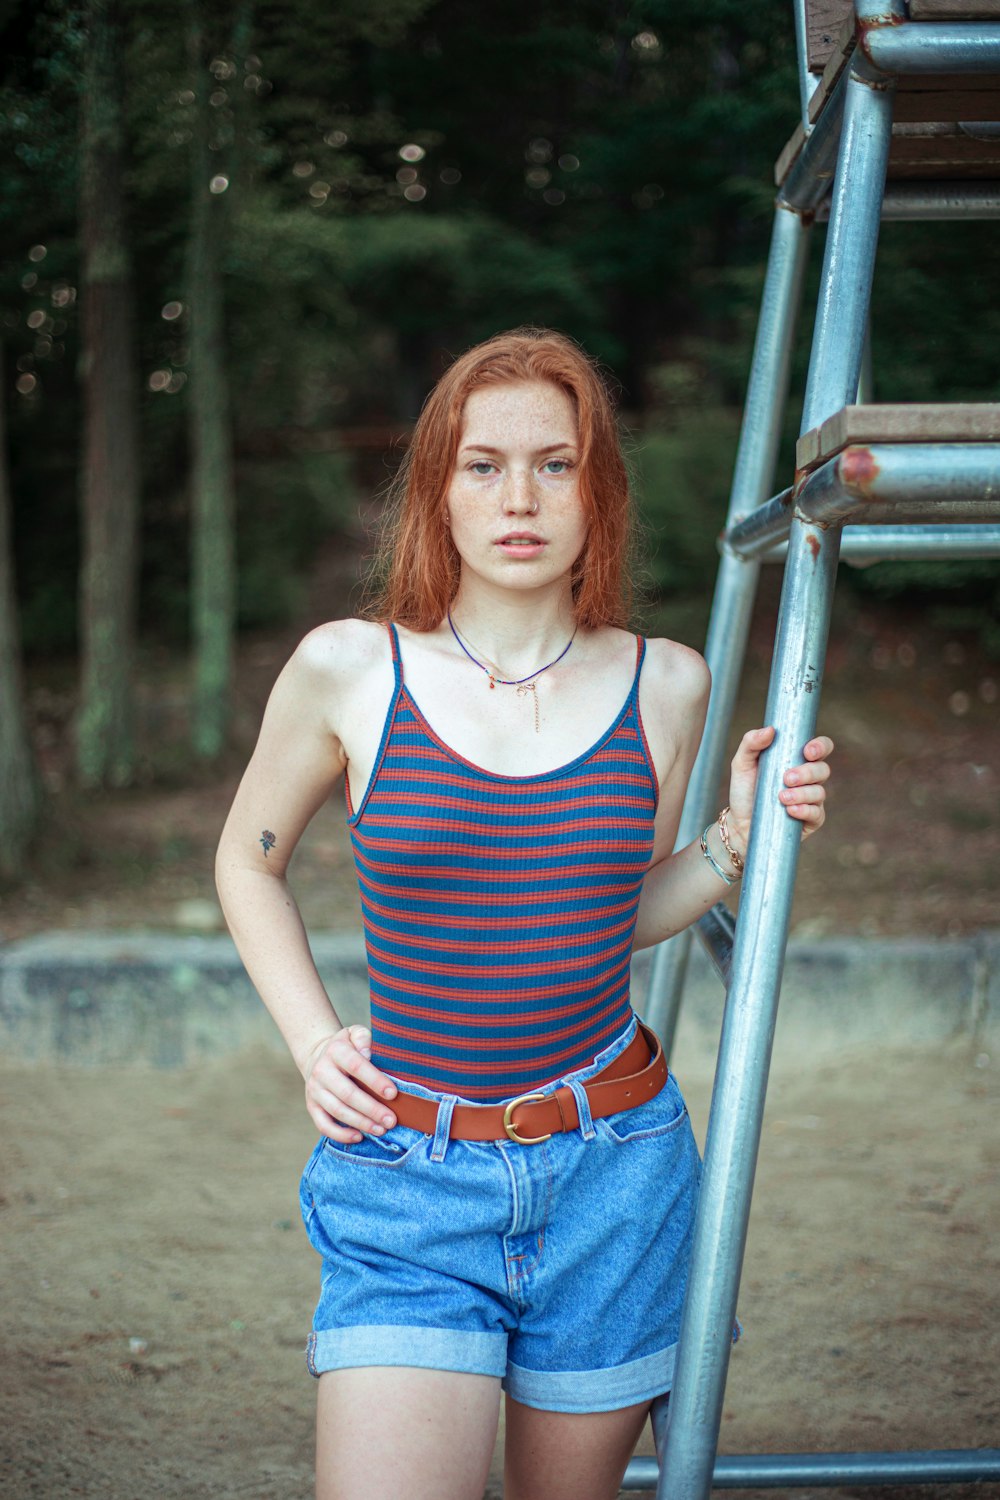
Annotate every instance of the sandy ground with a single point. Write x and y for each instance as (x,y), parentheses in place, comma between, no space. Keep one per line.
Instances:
(158,1284)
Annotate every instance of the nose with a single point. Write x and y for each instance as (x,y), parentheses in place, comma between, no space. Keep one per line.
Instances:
(520,497)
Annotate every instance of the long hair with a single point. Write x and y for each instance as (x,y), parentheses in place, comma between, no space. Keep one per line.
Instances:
(417,570)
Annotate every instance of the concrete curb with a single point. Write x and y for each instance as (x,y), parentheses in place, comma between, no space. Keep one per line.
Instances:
(124,997)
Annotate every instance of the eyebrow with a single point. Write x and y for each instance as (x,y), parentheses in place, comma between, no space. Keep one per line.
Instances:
(485,448)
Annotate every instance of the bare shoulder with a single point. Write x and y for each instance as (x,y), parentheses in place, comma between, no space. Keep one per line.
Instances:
(340,651)
(673,700)
(331,673)
(677,676)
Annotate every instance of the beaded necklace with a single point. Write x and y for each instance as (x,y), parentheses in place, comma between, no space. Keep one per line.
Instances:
(523,685)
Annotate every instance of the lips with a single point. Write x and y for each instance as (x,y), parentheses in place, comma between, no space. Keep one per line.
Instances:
(520,538)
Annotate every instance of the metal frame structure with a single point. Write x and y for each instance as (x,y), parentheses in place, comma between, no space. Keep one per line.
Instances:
(900,500)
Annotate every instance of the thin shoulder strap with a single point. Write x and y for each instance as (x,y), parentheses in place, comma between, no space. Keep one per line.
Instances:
(397,663)
(640,657)
(390,715)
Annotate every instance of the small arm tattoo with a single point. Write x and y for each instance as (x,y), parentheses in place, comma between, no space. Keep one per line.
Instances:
(268,840)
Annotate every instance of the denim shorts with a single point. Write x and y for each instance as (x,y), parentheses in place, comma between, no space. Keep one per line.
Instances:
(559,1267)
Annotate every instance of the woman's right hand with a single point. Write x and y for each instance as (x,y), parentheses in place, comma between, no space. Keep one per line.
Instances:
(345,1093)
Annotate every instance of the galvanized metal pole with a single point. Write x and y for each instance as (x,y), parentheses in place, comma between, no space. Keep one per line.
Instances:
(941,200)
(934,47)
(880,483)
(866,381)
(752,1471)
(863,545)
(736,584)
(806,80)
(758,957)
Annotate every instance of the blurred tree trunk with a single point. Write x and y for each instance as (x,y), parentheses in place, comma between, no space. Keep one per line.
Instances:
(19,801)
(213,507)
(110,460)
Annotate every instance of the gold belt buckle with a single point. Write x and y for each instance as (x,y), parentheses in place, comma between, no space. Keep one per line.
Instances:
(511,1129)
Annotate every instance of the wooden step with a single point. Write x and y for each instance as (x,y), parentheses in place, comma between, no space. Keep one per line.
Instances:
(934,116)
(910,423)
(825,20)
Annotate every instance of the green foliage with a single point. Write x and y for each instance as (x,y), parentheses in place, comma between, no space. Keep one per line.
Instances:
(287,508)
(935,316)
(682,479)
(954,595)
(603,169)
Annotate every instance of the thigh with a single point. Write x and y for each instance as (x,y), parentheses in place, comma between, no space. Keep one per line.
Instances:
(555,1455)
(425,1434)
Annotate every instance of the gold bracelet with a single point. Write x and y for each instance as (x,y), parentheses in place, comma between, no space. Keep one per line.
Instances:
(734,854)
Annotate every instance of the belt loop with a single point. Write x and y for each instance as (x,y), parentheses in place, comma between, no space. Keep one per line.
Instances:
(582,1108)
(442,1132)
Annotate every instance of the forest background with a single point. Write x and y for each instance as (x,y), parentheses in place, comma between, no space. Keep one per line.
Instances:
(239,239)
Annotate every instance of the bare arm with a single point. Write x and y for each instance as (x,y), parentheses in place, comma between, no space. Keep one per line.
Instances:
(679,888)
(297,762)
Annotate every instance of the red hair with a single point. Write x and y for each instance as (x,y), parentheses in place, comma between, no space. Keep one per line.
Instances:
(420,565)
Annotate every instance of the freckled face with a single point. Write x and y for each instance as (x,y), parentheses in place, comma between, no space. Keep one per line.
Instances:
(514,506)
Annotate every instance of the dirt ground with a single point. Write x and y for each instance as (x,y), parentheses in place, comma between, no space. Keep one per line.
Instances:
(158,1284)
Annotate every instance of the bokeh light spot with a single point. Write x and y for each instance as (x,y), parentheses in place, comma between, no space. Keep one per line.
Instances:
(415,192)
(218,184)
(647,195)
(26,384)
(336,138)
(568,162)
(406,175)
(35,319)
(171,311)
(450,175)
(555,196)
(304,168)
(412,152)
(37,253)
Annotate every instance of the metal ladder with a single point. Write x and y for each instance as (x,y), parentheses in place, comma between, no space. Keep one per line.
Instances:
(871,482)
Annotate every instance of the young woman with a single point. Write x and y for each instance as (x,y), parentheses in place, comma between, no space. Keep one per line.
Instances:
(515,762)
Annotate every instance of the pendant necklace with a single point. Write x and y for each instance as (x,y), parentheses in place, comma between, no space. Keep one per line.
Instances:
(524,685)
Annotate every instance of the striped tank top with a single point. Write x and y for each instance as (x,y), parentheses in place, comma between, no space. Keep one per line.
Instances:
(499,910)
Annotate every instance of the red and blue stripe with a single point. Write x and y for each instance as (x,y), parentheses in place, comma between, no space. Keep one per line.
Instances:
(499,911)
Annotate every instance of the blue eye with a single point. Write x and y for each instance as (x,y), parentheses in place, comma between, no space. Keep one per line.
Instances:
(563,465)
(481,466)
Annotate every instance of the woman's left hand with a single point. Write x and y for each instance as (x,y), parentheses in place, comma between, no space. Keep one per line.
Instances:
(803,792)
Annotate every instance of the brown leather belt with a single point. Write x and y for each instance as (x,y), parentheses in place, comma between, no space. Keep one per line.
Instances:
(635,1075)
